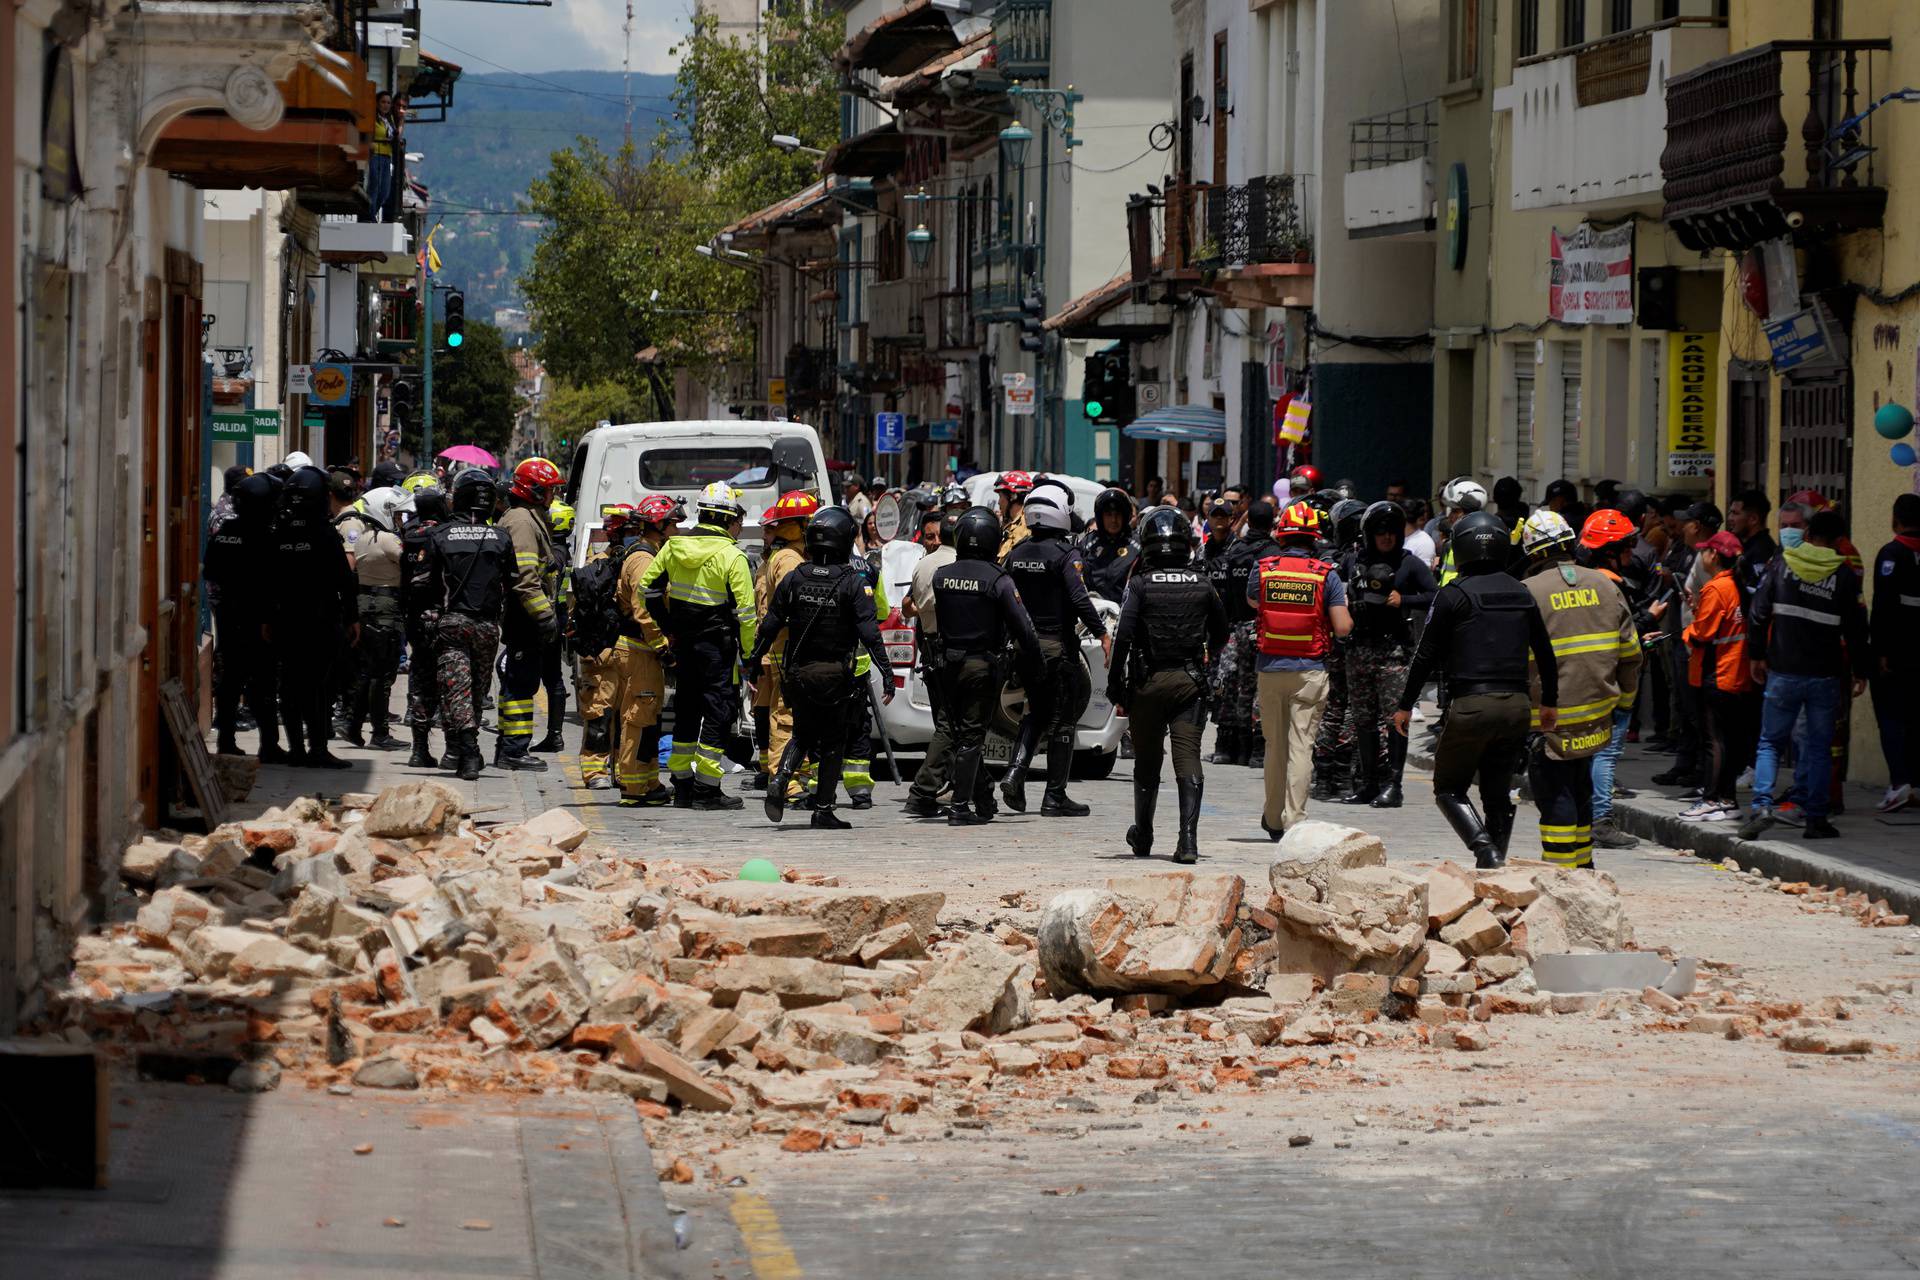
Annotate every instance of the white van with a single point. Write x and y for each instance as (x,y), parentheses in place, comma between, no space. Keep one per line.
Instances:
(625,463)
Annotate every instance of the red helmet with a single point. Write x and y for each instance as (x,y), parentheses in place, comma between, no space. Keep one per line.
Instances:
(656,509)
(1606,527)
(1811,499)
(613,519)
(1014,482)
(1305,477)
(796,504)
(535,480)
(1298,521)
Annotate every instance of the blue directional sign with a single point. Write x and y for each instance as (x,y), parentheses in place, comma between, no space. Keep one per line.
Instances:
(889,432)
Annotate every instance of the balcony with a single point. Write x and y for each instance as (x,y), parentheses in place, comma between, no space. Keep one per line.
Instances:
(895,314)
(956,322)
(348,240)
(1000,280)
(1253,223)
(812,376)
(1389,183)
(1023,39)
(1734,177)
(1589,122)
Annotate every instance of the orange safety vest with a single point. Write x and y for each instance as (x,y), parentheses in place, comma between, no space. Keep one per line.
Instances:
(1293,610)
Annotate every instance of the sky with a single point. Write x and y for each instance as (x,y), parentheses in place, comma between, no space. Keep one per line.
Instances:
(569,35)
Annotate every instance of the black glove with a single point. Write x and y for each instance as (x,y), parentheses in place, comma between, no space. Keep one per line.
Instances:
(664,655)
(751,670)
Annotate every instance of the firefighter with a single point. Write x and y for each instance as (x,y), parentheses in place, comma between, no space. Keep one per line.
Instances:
(1012,489)
(640,660)
(784,528)
(1170,620)
(592,618)
(826,608)
(977,609)
(1607,540)
(699,590)
(472,567)
(1046,570)
(532,623)
(1480,631)
(553,657)
(1301,610)
(420,598)
(1597,652)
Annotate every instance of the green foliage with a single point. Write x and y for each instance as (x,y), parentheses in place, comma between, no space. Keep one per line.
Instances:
(475,395)
(569,412)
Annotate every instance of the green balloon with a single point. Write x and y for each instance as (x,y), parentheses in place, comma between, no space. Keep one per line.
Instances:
(1893,421)
(761,870)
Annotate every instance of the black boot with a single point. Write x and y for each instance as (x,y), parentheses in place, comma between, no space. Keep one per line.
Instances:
(683,793)
(1256,751)
(961,815)
(775,800)
(1146,797)
(919,806)
(1465,821)
(352,736)
(1056,803)
(522,760)
(713,798)
(382,738)
(227,746)
(552,743)
(824,819)
(1227,747)
(1390,795)
(1014,786)
(1188,850)
(1500,827)
(422,757)
(468,751)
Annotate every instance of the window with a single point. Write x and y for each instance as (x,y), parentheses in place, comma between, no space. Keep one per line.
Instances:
(1520,425)
(1572,409)
(1463,41)
(1526,34)
(1573,22)
(1619,16)
(744,466)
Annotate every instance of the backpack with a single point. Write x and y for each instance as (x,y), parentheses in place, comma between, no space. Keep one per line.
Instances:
(596,608)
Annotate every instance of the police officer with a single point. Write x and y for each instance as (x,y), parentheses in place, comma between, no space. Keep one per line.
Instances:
(1385,586)
(313,618)
(1481,629)
(373,548)
(532,623)
(1046,571)
(553,657)
(471,570)
(1597,655)
(1107,548)
(978,609)
(699,589)
(923,798)
(237,561)
(1235,678)
(1012,489)
(639,661)
(824,607)
(1170,621)
(420,599)
(784,529)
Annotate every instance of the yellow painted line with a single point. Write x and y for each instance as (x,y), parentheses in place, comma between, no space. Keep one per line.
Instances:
(767,1247)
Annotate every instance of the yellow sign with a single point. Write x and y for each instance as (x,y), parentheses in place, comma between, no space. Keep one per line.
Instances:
(777,392)
(1693,402)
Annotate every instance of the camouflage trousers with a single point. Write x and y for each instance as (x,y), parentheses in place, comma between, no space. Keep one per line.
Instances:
(464,649)
(423,672)
(1236,680)
(1376,676)
(1333,747)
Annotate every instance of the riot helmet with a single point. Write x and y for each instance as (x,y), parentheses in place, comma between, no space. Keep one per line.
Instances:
(1166,539)
(830,536)
(474,494)
(976,535)
(1480,543)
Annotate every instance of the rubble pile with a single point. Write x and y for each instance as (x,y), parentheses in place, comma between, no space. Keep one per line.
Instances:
(391,942)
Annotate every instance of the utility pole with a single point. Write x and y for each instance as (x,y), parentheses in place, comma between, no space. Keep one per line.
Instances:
(626,70)
(426,361)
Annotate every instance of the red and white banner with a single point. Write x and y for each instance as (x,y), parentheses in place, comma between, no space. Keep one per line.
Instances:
(1591,275)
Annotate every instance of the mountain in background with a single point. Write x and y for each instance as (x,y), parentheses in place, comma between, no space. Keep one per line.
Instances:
(496,141)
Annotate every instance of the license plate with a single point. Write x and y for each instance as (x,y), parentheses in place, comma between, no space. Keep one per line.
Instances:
(997,749)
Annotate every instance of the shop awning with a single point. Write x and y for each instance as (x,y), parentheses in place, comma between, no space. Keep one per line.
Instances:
(1184,423)
(898,42)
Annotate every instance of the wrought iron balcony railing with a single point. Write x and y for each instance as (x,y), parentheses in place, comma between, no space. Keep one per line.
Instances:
(1023,38)
(1253,222)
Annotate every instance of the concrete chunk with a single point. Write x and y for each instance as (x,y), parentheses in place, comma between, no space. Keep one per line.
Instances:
(558,828)
(414,809)
(684,1083)
(797,982)
(848,915)
(972,990)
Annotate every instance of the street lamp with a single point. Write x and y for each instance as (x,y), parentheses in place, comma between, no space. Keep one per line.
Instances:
(920,245)
(1014,140)
(790,144)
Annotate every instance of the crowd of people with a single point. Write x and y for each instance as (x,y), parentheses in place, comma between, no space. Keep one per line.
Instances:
(1307,624)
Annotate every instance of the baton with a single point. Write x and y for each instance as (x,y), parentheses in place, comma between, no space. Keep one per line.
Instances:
(873,708)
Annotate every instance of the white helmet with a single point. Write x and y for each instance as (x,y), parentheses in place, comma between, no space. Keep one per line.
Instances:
(297,460)
(385,504)
(1545,531)
(722,501)
(1047,508)
(1464,492)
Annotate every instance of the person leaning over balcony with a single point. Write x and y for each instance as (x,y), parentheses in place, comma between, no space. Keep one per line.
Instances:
(1805,630)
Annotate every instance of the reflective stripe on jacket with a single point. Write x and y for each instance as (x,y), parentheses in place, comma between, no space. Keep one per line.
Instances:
(1596,650)
(700,584)
(1293,607)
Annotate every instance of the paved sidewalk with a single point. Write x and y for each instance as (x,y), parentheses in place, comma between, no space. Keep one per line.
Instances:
(212,1185)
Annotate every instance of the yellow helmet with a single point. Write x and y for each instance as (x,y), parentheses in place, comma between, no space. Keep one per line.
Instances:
(560,517)
(419,480)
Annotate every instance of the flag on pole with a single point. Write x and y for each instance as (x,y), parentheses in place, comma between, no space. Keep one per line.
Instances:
(430,256)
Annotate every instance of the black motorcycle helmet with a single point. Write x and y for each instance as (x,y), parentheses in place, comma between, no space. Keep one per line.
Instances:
(830,536)
(253,499)
(1345,488)
(1166,539)
(305,495)
(1632,504)
(1321,500)
(976,535)
(1384,517)
(1480,543)
(385,474)
(948,524)
(474,494)
(1345,518)
(430,503)
(1116,501)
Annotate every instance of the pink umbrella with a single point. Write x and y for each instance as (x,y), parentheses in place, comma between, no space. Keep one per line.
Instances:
(471,453)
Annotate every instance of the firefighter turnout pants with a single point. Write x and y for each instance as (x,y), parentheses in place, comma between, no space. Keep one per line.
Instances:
(520,676)
(639,690)
(1563,792)
(598,681)
(705,705)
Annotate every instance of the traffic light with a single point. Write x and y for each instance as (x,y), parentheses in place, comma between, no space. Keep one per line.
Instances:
(456,318)
(1121,404)
(1033,318)
(1094,392)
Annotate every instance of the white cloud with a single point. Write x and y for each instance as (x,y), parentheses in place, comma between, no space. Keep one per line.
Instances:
(570,35)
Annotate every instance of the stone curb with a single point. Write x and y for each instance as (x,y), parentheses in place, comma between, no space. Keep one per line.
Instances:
(1769,857)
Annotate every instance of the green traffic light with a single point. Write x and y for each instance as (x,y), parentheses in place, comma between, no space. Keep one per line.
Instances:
(455,339)
(1095,409)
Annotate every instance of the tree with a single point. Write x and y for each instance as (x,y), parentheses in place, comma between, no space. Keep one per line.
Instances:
(569,412)
(475,391)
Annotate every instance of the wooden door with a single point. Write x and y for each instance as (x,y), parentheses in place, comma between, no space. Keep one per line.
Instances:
(152,525)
